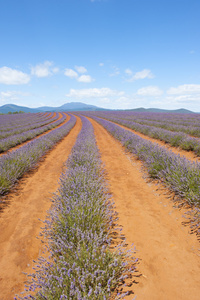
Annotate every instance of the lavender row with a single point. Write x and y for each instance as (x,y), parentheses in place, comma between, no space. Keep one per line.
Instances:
(175,139)
(17,139)
(80,232)
(178,173)
(25,127)
(13,165)
(9,122)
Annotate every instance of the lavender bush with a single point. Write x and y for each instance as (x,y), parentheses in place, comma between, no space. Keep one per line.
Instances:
(80,231)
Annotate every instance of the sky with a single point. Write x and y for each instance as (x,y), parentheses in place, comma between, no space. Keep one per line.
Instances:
(116,54)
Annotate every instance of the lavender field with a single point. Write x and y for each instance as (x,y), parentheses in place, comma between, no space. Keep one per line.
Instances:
(87,254)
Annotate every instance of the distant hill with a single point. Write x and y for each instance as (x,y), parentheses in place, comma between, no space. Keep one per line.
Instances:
(73,106)
(179,111)
(78,106)
(15,108)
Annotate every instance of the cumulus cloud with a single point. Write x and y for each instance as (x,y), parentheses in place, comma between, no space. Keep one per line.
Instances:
(124,102)
(146,73)
(150,91)
(80,69)
(71,73)
(94,93)
(85,78)
(12,95)
(184,100)
(76,75)
(44,70)
(184,89)
(115,71)
(55,70)
(13,77)
(128,72)
(8,94)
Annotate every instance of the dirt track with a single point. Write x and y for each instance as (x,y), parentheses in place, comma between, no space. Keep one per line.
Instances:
(19,224)
(169,260)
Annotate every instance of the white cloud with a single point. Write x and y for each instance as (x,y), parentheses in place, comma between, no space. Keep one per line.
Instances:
(115,71)
(101,64)
(12,95)
(55,70)
(94,93)
(44,69)
(184,100)
(13,77)
(128,72)
(187,98)
(105,100)
(8,94)
(150,91)
(80,69)
(184,89)
(146,73)
(71,73)
(85,78)
(124,102)
(187,101)
(74,75)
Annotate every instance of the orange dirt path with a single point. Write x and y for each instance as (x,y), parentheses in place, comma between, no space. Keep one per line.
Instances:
(19,224)
(169,260)
(54,114)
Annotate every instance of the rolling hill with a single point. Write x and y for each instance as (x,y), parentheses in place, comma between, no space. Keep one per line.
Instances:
(78,106)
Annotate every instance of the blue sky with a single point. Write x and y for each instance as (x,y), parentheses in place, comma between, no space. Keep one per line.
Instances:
(110,53)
